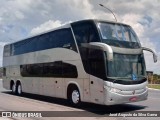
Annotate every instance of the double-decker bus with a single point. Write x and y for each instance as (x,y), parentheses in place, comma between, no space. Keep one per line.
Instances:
(91,60)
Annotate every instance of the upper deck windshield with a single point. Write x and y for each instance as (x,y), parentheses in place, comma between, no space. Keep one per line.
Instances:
(118,35)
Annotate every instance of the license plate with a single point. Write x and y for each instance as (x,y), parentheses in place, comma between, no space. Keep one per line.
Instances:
(133,99)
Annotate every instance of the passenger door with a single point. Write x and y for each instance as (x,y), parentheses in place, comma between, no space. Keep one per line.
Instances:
(98,73)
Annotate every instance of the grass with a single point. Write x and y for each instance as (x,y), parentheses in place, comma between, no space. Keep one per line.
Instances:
(155,86)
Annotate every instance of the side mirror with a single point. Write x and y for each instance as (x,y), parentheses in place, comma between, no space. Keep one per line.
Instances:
(154,54)
(100,46)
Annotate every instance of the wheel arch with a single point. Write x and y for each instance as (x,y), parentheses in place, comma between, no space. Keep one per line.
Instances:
(18,82)
(73,84)
(11,83)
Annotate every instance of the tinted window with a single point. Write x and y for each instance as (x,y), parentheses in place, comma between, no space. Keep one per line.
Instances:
(62,38)
(85,32)
(69,71)
(97,63)
(53,69)
(59,38)
(7,50)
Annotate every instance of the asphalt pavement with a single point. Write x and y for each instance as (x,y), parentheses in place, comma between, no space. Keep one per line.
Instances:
(63,110)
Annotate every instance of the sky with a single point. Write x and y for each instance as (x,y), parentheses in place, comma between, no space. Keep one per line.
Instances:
(22,18)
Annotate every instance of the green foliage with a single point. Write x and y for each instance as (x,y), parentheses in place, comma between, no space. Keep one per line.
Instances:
(153,79)
(155,86)
(156,78)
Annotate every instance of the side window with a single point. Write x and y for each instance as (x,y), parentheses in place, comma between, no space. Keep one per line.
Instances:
(7,50)
(29,45)
(42,42)
(93,35)
(69,71)
(17,48)
(54,69)
(69,41)
(81,33)
(25,46)
(96,63)
(63,38)
(85,32)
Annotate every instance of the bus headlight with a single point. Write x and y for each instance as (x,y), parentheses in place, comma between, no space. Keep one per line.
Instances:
(111,89)
(115,90)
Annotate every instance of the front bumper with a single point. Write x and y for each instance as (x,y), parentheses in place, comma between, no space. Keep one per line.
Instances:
(113,98)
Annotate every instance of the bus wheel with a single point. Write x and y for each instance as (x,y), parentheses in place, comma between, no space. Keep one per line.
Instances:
(19,89)
(14,88)
(75,97)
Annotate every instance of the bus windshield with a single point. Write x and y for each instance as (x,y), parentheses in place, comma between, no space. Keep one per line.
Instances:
(118,35)
(127,67)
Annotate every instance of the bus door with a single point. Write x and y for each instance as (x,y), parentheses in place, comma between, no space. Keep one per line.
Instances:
(97,73)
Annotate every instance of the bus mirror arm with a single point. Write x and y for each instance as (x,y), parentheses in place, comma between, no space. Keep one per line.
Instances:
(154,54)
(100,46)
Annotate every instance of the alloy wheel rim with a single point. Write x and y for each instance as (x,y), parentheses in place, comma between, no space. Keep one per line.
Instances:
(13,88)
(19,89)
(75,96)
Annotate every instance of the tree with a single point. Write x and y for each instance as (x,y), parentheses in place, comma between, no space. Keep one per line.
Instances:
(156,79)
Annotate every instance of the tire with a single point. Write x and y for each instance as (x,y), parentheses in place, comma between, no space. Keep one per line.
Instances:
(19,89)
(13,88)
(75,98)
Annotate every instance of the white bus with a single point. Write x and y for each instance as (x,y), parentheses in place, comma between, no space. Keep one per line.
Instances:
(92,61)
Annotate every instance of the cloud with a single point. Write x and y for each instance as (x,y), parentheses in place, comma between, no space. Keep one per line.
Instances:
(46,26)
(144,18)
(22,18)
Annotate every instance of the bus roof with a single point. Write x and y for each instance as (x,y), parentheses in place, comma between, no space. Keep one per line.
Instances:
(100,20)
(67,26)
